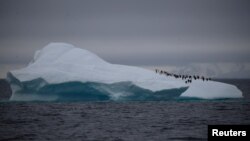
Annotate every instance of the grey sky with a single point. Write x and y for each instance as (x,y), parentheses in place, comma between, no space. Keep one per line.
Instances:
(132,32)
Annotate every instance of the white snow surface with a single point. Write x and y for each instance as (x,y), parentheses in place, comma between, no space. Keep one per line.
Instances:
(61,62)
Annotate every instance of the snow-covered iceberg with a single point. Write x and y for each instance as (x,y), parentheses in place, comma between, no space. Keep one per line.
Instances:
(61,71)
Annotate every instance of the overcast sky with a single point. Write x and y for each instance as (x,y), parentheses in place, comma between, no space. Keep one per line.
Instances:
(133,32)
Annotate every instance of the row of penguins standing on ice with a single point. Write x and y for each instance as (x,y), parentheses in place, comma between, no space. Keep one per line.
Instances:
(186,78)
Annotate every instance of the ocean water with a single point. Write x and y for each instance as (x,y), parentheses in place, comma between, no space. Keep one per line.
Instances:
(179,119)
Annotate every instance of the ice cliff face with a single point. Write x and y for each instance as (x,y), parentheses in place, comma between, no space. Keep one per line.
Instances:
(62,71)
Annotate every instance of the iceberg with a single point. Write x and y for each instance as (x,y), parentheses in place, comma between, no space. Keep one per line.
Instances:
(61,71)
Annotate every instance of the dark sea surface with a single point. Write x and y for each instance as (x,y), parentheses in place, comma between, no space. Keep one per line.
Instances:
(181,119)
